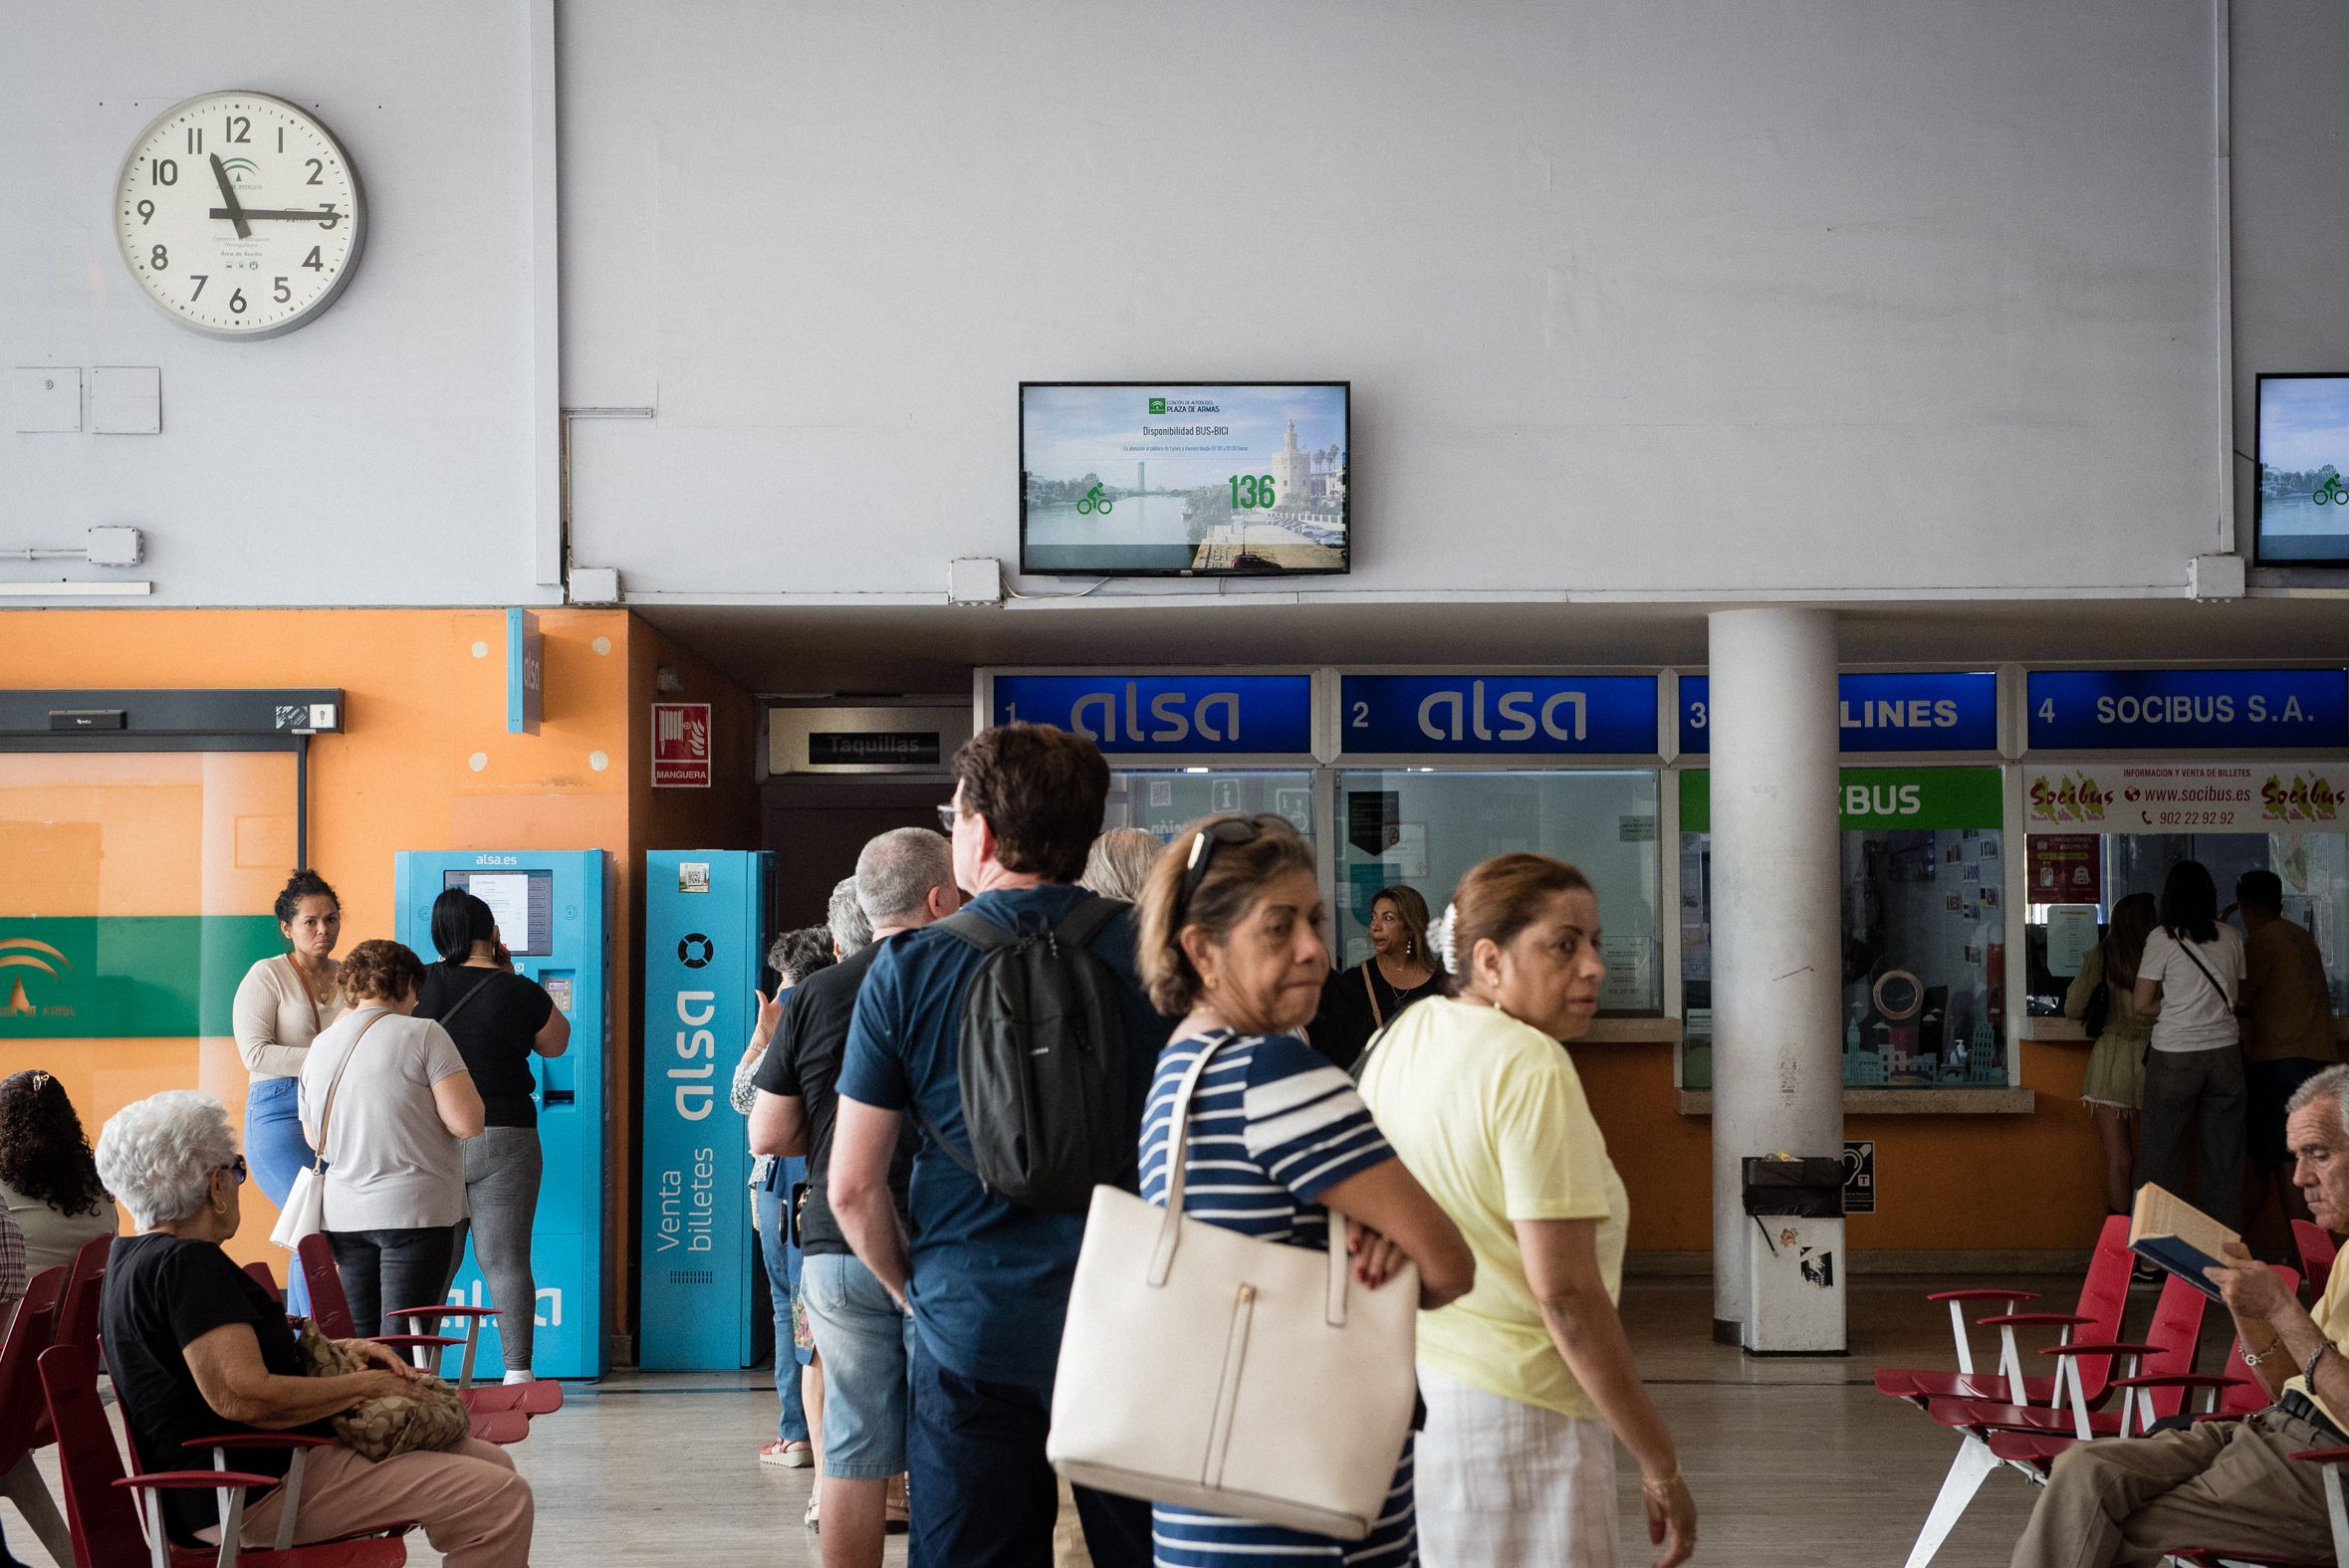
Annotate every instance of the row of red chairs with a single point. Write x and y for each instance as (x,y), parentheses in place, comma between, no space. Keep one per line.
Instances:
(49,1394)
(2005,1417)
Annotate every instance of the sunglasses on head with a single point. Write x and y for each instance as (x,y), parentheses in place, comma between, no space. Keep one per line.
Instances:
(1223,830)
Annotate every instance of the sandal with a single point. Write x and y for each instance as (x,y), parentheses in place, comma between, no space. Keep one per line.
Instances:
(808,1519)
(793,1453)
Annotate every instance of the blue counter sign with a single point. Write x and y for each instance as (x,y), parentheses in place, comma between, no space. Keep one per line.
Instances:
(2187,710)
(1168,715)
(1498,715)
(1899,712)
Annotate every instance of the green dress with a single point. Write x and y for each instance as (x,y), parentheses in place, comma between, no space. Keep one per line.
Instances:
(2116,1064)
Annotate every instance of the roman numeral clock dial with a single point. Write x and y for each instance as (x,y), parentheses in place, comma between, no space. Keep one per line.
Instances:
(239,214)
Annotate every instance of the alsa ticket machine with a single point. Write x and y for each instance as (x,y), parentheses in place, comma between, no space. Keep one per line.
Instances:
(551,908)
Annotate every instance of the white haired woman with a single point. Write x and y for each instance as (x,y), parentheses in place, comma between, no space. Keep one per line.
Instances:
(197,1350)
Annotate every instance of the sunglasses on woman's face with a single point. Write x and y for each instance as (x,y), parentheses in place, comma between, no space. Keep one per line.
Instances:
(236,1170)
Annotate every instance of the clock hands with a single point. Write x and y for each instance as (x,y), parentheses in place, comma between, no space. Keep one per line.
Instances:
(323,217)
(228,194)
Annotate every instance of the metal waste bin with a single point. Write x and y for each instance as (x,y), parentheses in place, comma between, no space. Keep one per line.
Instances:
(1794,1259)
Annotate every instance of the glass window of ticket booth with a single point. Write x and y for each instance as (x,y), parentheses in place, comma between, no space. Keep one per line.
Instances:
(1180,744)
(2224,766)
(1436,773)
(1924,884)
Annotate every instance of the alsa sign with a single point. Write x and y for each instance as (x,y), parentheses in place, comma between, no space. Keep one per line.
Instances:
(1543,715)
(1250,715)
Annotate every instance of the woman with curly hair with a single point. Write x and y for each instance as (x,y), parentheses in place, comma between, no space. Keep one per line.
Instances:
(47,1180)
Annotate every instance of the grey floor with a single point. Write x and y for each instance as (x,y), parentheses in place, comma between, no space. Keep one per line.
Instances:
(1793,1462)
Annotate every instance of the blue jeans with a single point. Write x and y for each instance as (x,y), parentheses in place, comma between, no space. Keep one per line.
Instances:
(983,1493)
(782,1281)
(865,1343)
(275,1150)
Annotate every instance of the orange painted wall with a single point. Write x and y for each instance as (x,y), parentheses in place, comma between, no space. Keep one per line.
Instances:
(425,702)
(1969,1183)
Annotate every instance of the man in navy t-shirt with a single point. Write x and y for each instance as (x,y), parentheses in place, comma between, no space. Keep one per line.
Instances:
(987,1281)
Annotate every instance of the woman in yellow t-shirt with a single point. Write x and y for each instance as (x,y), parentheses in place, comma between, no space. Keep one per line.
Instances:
(1528,1378)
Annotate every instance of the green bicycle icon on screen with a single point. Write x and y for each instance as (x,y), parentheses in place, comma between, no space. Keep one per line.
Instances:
(1094,501)
(2331,489)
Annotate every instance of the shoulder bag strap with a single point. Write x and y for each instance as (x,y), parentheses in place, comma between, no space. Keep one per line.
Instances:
(316,1027)
(2194,959)
(1378,1014)
(1087,920)
(325,1115)
(479,987)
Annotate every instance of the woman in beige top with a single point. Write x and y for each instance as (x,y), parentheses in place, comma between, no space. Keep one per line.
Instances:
(282,1005)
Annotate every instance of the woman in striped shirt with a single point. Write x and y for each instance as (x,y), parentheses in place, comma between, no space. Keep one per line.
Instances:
(1277,1139)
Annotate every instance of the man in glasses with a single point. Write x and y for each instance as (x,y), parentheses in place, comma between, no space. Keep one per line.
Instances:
(986,1280)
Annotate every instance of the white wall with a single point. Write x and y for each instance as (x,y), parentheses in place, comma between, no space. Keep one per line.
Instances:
(379,455)
(1690,297)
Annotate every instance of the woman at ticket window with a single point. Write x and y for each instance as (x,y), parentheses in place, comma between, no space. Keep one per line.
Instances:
(2115,1085)
(2195,1095)
(1402,968)
(283,1004)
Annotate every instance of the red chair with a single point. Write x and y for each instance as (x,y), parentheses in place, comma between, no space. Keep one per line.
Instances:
(261,1275)
(2316,1246)
(532,1399)
(108,1532)
(77,1309)
(2104,1295)
(493,1421)
(24,1420)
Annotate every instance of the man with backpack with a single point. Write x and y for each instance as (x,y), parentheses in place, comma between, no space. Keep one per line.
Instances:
(1017,1039)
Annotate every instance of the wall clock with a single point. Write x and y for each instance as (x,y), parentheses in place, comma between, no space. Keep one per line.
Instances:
(239,214)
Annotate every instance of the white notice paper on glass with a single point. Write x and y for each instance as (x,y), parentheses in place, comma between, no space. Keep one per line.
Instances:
(2072,931)
(507,893)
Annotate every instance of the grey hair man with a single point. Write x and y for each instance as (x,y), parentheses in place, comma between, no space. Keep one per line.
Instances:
(2230,1483)
(852,932)
(904,880)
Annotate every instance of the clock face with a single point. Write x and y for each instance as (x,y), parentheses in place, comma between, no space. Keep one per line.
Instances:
(239,214)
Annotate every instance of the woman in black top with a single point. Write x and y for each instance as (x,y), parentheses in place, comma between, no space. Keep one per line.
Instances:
(198,1350)
(1357,1002)
(499,1021)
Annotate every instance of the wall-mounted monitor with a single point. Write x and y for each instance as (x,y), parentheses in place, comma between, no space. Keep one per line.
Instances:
(1183,478)
(2300,499)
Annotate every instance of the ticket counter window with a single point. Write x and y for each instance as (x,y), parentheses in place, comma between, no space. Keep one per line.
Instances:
(1161,802)
(1427,828)
(1923,873)
(2076,878)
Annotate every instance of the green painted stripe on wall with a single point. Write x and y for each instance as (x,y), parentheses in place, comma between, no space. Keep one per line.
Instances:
(126,977)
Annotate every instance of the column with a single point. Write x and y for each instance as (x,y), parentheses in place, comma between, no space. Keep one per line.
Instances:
(1777,1048)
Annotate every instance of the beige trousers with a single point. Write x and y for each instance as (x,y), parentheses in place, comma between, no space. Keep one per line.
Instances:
(474,1509)
(2224,1483)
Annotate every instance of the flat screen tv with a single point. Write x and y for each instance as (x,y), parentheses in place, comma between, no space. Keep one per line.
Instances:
(2300,504)
(1143,479)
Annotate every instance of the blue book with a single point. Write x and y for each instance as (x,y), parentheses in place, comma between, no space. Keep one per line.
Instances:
(2171,1234)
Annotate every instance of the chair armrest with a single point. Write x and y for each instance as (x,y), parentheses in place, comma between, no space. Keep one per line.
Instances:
(410,1341)
(1983,1295)
(441,1311)
(2114,1348)
(2048,1319)
(196,1480)
(260,1440)
(501,1427)
(2179,1380)
(2324,1456)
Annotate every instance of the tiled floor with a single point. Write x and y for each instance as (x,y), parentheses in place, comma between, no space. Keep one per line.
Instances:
(1793,1462)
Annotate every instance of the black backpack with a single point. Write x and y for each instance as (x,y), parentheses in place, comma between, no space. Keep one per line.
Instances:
(1042,1063)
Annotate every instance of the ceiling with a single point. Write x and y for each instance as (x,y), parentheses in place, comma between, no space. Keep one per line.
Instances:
(798,650)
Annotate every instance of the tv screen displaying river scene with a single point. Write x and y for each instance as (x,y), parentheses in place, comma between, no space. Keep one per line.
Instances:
(1158,479)
(2302,504)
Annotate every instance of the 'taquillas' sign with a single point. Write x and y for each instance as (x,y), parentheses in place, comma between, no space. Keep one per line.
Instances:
(1498,714)
(1899,712)
(1172,715)
(2172,710)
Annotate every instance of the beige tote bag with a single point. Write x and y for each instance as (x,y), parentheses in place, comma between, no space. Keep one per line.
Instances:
(1208,1369)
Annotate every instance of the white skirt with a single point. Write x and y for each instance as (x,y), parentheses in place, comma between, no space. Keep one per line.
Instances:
(1503,1484)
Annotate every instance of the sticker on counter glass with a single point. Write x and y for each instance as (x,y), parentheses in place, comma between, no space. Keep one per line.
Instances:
(2209,797)
(1498,715)
(1167,715)
(1927,712)
(2177,710)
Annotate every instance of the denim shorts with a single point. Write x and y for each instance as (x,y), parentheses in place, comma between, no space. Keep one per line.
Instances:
(866,1346)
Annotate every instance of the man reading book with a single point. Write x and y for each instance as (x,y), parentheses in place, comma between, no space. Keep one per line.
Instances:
(2233,1484)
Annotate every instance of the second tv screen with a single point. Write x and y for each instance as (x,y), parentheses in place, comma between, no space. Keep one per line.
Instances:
(1151,479)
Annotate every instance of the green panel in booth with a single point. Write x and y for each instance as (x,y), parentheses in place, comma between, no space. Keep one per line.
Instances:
(126,977)
(1870,798)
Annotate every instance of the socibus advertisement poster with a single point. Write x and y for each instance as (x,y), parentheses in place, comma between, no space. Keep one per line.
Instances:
(2200,797)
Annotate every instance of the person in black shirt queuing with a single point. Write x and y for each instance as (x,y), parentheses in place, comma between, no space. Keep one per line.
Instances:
(499,1020)
(904,880)
(1357,1002)
(198,1349)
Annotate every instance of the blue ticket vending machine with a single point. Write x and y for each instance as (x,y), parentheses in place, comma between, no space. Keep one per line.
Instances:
(705,952)
(551,906)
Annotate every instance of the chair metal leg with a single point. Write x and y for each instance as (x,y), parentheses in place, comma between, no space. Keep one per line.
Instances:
(1973,1461)
(22,1487)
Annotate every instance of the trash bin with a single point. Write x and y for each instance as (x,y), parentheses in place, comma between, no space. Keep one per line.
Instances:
(1794,1260)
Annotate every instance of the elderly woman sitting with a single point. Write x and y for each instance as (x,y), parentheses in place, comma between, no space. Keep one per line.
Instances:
(198,1350)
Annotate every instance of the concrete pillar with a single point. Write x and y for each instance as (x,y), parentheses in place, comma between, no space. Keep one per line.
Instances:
(1778,1039)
